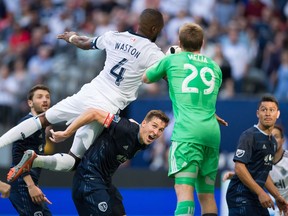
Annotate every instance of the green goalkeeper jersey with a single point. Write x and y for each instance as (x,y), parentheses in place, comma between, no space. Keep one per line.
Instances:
(194,81)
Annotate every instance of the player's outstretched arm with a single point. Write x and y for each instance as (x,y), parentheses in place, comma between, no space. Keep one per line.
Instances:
(87,117)
(4,189)
(82,42)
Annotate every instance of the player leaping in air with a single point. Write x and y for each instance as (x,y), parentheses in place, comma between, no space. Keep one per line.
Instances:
(128,55)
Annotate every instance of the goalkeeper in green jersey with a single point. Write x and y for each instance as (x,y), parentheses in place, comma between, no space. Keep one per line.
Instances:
(194,81)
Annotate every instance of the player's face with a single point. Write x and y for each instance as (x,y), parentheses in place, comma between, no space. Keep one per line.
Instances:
(151,130)
(267,113)
(280,140)
(40,101)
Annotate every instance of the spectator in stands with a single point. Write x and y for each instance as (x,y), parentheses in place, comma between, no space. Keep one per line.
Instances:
(281,91)
(8,94)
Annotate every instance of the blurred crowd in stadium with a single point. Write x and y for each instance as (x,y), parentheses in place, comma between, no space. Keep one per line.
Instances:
(247,38)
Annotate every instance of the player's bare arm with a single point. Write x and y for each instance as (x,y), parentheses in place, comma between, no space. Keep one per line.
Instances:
(221,121)
(280,201)
(246,178)
(35,192)
(82,42)
(4,189)
(87,117)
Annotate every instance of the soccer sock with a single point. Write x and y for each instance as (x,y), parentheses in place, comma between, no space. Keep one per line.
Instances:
(56,162)
(21,131)
(185,208)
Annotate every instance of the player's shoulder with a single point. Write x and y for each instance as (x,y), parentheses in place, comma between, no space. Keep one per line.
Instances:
(29,115)
(250,131)
(285,154)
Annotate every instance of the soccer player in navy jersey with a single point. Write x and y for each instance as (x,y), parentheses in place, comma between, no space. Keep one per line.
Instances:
(253,161)
(93,191)
(25,195)
(279,172)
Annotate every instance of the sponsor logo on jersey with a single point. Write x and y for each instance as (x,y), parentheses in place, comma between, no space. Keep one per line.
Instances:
(121,158)
(132,39)
(268,159)
(280,184)
(240,153)
(102,206)
(38,213)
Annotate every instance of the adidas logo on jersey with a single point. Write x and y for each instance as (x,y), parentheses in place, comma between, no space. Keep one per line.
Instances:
(264,146)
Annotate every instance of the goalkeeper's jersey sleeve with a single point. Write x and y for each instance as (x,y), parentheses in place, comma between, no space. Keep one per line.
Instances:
(194,81)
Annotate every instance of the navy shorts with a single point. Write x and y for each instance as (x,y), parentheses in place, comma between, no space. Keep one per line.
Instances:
(92,197)
(248,210)
(22,202)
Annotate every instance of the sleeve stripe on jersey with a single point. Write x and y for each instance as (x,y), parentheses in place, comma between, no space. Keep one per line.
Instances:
(93,43)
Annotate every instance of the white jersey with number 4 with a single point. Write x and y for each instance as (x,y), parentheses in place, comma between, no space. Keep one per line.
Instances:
(127,57)
(279,175)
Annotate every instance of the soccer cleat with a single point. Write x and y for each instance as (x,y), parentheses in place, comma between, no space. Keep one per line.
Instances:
(23,166)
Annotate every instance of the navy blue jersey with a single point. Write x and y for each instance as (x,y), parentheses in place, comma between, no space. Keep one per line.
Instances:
(256,150)
(35,142)
(114,146)
(19,195)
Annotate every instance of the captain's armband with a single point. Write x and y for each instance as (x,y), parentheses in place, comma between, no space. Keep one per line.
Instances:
(108,120)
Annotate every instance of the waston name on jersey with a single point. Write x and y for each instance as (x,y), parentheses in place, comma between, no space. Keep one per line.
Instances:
(127,48)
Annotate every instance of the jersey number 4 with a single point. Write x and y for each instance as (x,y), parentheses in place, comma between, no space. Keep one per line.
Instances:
(118,71)
(209,83)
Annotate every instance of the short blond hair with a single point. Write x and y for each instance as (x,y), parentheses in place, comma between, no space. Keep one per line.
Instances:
(191,36)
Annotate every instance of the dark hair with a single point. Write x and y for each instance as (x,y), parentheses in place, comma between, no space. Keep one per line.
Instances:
(152,17)
(35,88)
(281,130)
(268,98)
(158,114)
(191,37)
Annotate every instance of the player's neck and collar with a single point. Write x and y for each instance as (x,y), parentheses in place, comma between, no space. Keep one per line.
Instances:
(138,34)
(267,132)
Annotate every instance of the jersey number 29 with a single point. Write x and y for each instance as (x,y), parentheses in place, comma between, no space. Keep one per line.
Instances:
(209,83)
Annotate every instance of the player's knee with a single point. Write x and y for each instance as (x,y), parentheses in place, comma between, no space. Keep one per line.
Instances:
(43,120)
(76,161)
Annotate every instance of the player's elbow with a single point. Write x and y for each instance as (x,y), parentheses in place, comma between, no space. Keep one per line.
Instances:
(145,79)
(239,167)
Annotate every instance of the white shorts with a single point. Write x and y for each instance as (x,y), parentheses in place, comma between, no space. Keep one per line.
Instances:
(71,107)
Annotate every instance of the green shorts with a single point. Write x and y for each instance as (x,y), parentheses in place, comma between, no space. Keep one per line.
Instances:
(198,160)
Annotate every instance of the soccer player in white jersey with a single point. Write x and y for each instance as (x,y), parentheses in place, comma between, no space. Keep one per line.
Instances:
(279,172)
(128,55)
